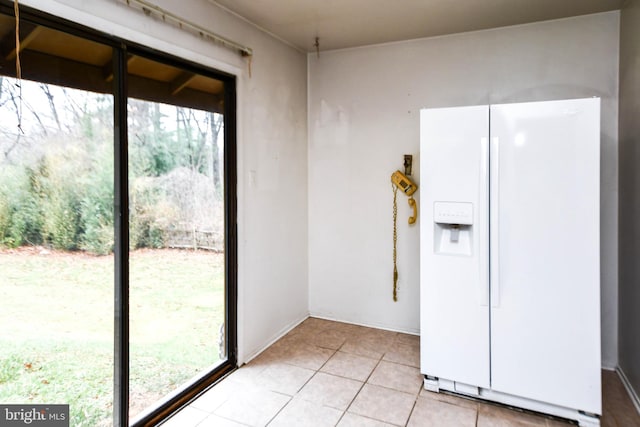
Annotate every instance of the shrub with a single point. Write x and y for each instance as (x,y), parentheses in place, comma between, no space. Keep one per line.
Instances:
(144,233)
(146,218)
(5,221)
(99,239)
(62,220)
(96,210)
(20,212)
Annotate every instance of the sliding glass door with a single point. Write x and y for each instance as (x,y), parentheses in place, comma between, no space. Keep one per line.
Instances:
(176,229)
(117,223)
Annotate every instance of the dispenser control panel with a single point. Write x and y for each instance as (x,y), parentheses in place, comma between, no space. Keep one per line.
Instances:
(453,213)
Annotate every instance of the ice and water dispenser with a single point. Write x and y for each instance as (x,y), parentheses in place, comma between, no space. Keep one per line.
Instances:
(453,222)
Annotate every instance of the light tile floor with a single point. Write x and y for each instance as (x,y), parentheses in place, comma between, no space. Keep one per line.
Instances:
(326,373)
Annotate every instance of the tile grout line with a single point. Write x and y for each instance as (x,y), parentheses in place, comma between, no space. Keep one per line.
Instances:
(415,402)
(279,411)
(306,382)
(362,386)
(382,359)
(416,396)
(336,352)
(378,363)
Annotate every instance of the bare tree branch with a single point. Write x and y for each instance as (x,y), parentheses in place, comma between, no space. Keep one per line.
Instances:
(35,114)
(215,122)
(2,91)
(52,105)
(72,105)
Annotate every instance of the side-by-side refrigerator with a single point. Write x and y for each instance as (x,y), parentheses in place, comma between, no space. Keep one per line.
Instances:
(510,254)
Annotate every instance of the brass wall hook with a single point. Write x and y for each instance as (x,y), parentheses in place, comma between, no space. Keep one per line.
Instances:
(408,163)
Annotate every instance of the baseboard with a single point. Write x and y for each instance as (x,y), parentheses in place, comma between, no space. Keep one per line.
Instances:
(284,331)
(367,325)
(629,387)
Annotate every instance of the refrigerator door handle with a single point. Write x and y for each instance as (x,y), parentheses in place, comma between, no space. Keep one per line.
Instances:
(483,221)
(494,223)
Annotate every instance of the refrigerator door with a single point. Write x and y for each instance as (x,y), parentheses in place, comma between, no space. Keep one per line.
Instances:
(545,259)
(454,293)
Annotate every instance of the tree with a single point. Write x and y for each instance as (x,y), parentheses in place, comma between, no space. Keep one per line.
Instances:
(56,179)
(216,121)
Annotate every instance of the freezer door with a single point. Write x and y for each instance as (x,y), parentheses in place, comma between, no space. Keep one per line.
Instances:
(545,253)
(454,296)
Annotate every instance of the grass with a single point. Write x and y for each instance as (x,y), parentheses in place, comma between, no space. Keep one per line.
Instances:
(56,339)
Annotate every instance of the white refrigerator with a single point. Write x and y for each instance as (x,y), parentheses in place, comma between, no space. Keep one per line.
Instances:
(510,254)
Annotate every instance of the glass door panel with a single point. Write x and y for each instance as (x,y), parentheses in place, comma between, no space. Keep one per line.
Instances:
(56,227)
(176,229)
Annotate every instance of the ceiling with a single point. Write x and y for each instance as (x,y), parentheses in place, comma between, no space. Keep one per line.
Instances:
(349,23)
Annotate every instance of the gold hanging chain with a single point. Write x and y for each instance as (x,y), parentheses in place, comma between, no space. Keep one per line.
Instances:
(395,242)
(16,11)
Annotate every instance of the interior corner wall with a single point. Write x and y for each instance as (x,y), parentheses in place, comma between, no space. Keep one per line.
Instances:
(364,108)
(629,345)
(272,149)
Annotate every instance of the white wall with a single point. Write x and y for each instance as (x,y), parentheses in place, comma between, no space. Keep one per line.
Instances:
(364,115)
(630,194)
(272,149)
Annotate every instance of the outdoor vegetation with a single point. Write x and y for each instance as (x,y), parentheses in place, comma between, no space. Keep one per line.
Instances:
(56,174)
(57,242)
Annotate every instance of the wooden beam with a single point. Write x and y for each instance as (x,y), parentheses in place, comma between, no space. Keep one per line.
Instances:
(7,43)
(181,82)
(153,90)
(51,69)
(107,69)
(28,33)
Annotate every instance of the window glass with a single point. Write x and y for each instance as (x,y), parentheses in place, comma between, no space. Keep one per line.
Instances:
(176,229)
(56,227)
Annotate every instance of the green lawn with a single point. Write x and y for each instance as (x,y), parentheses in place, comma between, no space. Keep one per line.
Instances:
(56,326)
